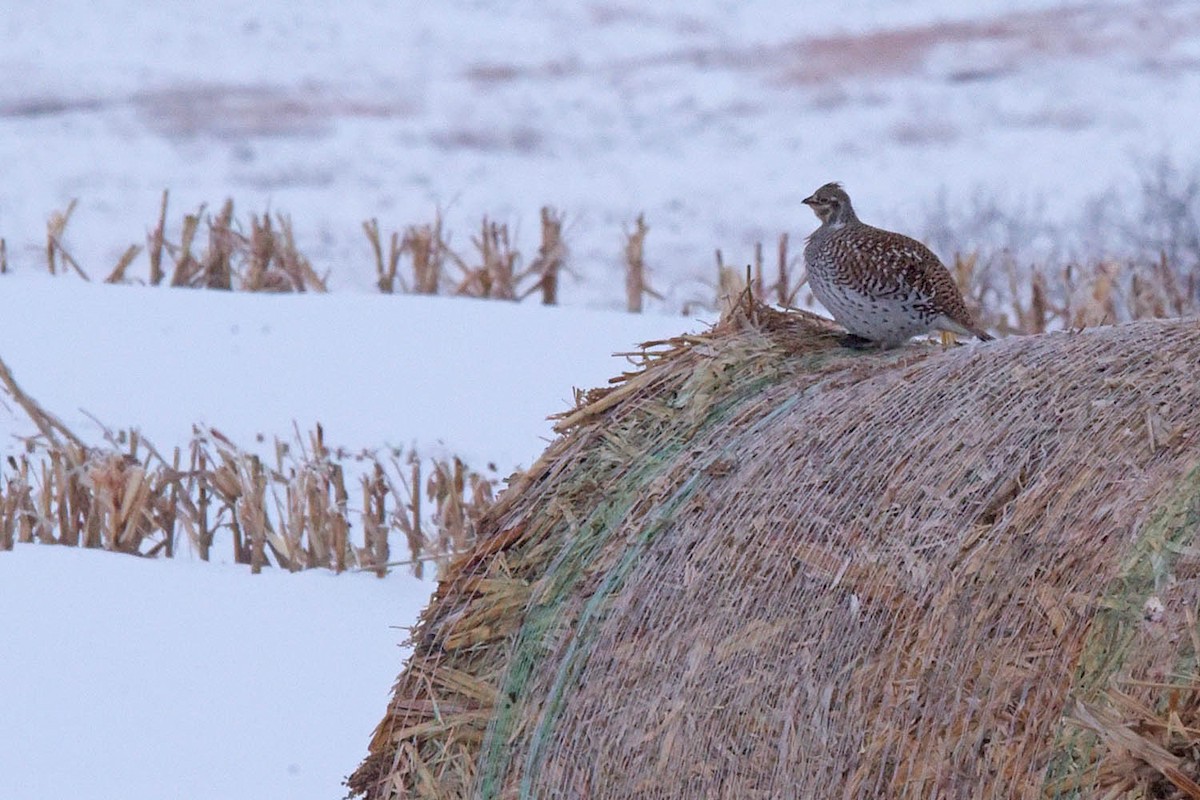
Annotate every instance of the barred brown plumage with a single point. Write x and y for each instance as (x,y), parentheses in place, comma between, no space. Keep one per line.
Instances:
(882,287)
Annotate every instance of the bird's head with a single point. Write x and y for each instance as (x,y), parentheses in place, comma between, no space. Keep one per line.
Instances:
(831,204)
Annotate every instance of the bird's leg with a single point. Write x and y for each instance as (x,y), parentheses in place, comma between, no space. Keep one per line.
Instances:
(856,342)
(948,339)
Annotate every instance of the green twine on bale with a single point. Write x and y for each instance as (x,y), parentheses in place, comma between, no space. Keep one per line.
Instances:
(584,543)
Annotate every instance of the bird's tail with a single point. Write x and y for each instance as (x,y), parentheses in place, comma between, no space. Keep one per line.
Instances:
(963,329)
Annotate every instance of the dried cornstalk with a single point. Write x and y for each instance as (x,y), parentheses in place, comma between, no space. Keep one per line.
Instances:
(292,270)
(170,510)
(1038,317)
(57,257)
(49,425)
(217,268)
(758,271)
(386,271)
(17,512)
(425,248)
(187,267)
(31,521)
(340,523)
(782,292)
(445,489)
(416,539)
(200,469)
(252,507)
(731,283)
(155,241)
(550,258)
(635,266)
(259,275)
(118,273)
(375,492)
(495,275)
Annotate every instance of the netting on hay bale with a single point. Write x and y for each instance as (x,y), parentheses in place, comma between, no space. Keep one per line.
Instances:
(765,566)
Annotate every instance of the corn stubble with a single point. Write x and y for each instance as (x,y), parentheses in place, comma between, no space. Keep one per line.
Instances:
(1016,299)
(260,254)
(220,251)
(298,512)
(490,270)
(213,497)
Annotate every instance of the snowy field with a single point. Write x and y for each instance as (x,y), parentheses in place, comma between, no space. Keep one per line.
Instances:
(123,678)
(714,118)
(472,378)
(126,678)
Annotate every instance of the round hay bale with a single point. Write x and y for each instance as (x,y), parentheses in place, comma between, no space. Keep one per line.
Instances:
(765,566)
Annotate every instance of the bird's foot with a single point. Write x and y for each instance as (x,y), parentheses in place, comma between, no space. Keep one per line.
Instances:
(856,342)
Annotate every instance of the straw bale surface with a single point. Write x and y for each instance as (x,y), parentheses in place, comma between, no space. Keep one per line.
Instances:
(764,566)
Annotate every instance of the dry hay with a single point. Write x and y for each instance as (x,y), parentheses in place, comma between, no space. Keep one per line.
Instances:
(764,566)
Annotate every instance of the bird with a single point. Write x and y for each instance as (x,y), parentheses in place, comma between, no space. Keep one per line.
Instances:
(882,287)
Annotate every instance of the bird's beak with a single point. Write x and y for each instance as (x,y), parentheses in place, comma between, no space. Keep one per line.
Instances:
(810,200)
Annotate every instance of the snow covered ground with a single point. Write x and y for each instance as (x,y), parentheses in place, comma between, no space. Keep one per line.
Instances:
(126,678)
(121,678)
(472,378)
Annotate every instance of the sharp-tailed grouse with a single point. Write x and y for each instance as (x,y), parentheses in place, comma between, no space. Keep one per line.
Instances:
(882,287)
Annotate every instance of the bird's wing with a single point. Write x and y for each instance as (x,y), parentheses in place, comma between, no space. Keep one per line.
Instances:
(905,266)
